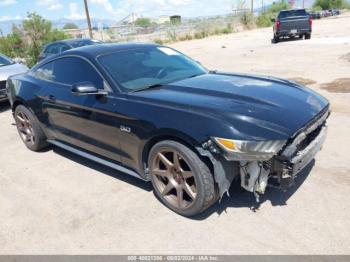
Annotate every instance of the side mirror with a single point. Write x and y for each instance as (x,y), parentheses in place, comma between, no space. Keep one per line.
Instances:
(273,20)
(86,88)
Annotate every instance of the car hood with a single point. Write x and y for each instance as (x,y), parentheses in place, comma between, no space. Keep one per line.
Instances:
(256,107)
(9,70)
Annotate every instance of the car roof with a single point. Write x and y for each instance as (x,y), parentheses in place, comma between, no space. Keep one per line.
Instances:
(93,51)
(70,41)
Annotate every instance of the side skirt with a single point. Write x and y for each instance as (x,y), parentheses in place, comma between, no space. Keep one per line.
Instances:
(96,159)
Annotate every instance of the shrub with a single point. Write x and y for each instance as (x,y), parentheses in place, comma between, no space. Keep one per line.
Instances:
(201,34)
(227,30)
(264,20)
(171,33)
(247,19)
(328,4)
(158,41)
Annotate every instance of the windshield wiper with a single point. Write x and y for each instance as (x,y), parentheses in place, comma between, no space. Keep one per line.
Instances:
(146,87)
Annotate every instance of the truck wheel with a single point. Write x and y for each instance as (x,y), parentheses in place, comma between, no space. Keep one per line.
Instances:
(29,130)
(275,39)
(181,180)
(308,36)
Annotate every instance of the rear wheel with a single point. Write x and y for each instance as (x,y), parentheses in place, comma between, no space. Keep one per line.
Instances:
(29,130)
(275,39)
(181,180)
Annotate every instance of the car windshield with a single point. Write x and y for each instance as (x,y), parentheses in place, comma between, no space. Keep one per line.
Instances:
(4,61)
(144,67)
(289,13)
(81,43)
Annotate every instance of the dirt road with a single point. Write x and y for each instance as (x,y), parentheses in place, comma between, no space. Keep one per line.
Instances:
(54,202)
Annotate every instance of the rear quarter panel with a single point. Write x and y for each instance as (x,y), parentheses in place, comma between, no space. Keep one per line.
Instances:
(23,89)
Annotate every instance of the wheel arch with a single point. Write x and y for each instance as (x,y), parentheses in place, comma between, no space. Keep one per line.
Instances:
(173,136)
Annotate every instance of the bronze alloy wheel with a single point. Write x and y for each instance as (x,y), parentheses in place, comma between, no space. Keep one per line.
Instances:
(173,177)
(25,128)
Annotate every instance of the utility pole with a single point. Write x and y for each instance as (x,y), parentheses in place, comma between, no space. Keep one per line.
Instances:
(252,6)
(88,18)
(303,3)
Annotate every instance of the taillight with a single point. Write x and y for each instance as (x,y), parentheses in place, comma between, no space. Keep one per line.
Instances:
(277,24)
(310,21)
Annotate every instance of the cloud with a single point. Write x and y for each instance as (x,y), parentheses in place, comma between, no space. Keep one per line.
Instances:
(8,2)
(50,4)
(74,13)
(179,2)
(186,8)
(8,18)
(107,6)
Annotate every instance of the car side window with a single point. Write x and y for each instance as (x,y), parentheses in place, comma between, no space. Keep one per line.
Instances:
(45,72)
(73,70)
(64,47)
(52,49)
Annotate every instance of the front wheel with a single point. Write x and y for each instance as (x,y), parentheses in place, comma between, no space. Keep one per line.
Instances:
(181,180)
(308,36)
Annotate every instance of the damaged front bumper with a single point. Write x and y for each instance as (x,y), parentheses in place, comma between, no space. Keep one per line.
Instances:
(280,170)
(287,165)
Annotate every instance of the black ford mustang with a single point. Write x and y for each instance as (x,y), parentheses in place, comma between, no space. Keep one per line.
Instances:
(151,112)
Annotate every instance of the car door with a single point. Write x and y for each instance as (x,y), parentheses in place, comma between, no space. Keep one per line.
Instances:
(84,121)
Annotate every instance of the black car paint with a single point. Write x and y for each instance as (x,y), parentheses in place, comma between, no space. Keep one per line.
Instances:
(192,110)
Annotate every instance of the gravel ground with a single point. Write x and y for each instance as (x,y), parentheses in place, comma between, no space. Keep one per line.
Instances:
(54,202)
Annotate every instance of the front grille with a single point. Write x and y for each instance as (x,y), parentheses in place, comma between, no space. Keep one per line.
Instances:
(2,85)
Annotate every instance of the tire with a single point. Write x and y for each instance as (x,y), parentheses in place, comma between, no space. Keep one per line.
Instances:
(29,129)
(275,39)
(170,180)
(307,36)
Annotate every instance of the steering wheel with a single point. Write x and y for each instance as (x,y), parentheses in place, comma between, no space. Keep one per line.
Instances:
(161,72)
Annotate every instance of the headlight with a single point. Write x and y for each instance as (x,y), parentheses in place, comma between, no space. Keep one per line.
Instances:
(249,150)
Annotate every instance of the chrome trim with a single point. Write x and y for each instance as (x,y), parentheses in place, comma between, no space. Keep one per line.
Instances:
(96,159)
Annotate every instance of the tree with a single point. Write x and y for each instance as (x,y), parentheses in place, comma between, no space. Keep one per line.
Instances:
(143,22)
(70,26)
(12,45)
(264,18)
(329,4)
(25,41)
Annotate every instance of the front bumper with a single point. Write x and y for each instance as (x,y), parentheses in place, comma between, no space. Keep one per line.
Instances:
(298,153)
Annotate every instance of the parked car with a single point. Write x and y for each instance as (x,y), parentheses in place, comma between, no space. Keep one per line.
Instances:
(315,15)
(63,45)
(153,113)
(292,23)
(336,12)
(8,68)
(327,13)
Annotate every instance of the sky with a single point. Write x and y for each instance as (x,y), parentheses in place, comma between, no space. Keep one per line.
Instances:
(117,9)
